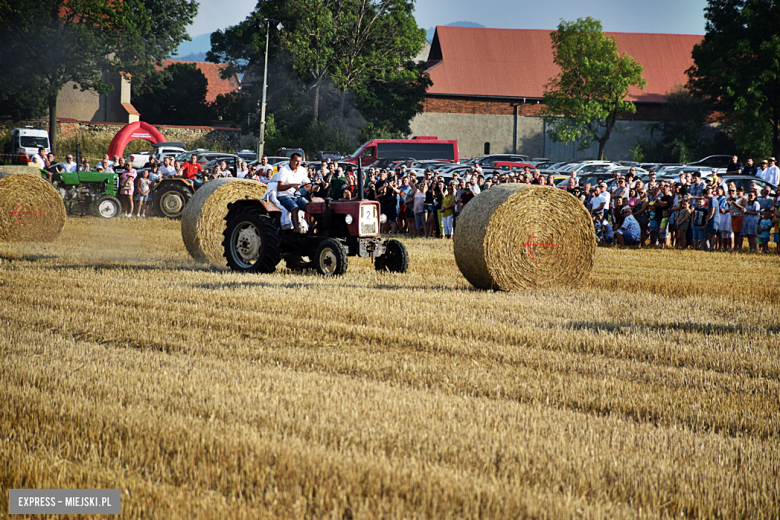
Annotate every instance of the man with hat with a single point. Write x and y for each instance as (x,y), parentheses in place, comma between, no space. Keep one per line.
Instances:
(761,167)
(772,173)
(629,231)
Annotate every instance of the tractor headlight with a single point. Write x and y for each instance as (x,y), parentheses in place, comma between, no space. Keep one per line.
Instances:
(348,219)
(383,218)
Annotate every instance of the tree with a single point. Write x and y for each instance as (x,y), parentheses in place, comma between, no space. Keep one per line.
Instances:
(339,50)
(389,105)
(45,44)
(585,99)
(177,98)
(737,66)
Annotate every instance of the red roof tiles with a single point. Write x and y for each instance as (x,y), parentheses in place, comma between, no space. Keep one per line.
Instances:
(130,109)
(212,71)
(518,63)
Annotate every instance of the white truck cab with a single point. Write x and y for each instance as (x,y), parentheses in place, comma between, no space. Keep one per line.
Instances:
(25,142)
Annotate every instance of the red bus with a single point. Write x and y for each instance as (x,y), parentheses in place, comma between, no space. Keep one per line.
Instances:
(420,148)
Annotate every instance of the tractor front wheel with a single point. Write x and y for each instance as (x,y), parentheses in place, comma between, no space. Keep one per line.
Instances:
(395,259)
(331,258)
(106,206)
(253,242)
(170,200)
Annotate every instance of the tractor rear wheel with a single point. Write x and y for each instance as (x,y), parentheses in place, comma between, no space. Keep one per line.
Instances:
(395,259)
(298,263)
(331,258)
(253,242)
(106,206)
(170,200)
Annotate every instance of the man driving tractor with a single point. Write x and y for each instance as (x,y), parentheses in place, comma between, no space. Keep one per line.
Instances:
(291,177)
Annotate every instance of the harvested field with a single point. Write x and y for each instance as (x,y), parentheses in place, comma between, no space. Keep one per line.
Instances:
(651,390)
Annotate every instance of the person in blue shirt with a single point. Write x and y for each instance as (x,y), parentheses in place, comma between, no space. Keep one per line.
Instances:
(629,232)
(764,229)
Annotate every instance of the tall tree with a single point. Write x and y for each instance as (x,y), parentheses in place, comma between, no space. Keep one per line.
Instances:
(737,66)
(179,98)
(585,99)
(45,44)
(335,47)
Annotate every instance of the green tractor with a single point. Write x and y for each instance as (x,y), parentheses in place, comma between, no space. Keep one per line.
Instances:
(93,193)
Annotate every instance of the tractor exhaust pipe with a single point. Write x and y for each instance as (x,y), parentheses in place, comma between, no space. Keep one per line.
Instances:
(361,194)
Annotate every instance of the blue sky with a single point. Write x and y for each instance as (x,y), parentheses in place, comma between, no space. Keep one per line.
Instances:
(659,16)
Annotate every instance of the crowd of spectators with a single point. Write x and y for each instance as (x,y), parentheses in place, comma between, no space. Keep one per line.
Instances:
(690,211)
(703,213)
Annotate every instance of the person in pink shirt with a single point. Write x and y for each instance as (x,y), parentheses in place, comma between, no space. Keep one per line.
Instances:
(126,189)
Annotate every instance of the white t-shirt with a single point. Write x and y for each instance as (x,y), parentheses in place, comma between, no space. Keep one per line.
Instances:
(772,175)
(168,171)
(288,176)
(264,169)
(41,161)
(595,202)
(70,168)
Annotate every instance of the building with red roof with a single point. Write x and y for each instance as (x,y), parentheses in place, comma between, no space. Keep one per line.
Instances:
(488,86)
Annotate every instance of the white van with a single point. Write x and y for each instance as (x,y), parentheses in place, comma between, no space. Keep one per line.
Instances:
(25,143)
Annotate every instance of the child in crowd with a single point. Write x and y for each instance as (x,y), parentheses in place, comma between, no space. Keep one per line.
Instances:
(764,228)
(776,229)
(652,223)
(127,187)
(672,228)
(683,222)
(663,229)
(698,224)
(750,221)
(144,186)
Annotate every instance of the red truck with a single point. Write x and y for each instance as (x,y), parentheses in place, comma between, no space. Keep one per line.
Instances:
(420,147)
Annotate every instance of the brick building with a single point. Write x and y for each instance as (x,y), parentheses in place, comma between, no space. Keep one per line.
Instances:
(488,86)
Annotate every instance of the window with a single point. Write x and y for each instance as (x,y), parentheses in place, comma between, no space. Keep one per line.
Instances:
(487,149)
(30,141)
(417,150)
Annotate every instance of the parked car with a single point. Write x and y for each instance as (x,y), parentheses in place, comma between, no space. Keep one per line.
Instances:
(344,165)
(247,155)
(744,181)
(713,161)
(332,156)
(205,156)
(512,166)
(391,162)
(287,152)
(138,159)
(489,160)
(590,178)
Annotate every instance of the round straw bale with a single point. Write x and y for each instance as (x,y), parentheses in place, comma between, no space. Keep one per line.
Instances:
(31,210)
(515,236)
(203,219)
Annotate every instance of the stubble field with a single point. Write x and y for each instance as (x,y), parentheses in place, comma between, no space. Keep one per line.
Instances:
(652,390)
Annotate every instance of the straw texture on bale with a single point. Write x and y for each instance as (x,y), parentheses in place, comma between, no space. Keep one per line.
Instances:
(31,210)
(522,236)
(203,219)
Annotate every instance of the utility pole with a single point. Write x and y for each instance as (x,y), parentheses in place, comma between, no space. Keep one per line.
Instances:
(261,139)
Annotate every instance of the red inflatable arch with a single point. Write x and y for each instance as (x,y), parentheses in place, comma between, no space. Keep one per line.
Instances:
(137,130)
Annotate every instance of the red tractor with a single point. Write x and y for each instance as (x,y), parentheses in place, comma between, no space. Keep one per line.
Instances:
(255,241)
